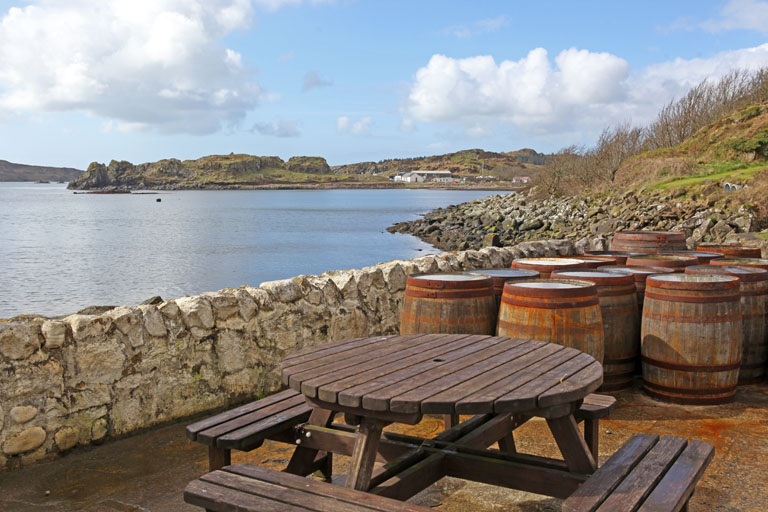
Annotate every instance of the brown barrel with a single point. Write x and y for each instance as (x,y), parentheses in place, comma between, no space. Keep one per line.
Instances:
(703,257)
(754,294)
(690,338)
(562,311)
(621,323)
(546,266)
(648,242)
(676,263)
(593,261)
(742,262)
(640,274)
(619,256)
(732,250)
(501,276)
(450,303)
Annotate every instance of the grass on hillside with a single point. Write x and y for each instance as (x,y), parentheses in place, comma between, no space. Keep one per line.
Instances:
(734,170)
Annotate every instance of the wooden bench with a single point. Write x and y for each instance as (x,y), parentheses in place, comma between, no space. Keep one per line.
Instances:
(245,487)
(244,428)
(591,410)
(645,474)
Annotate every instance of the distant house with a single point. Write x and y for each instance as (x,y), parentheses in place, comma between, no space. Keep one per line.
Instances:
(521,179)
(412,177)
(439,176)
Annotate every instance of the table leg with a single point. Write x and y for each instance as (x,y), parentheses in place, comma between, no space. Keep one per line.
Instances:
(572,445)
(364,454)
(307,460)
(450,420)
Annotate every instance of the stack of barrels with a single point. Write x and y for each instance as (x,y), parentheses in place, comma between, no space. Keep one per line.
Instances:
(694,321)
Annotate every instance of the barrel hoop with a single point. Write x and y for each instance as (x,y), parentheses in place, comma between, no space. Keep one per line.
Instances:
(623,360)
(616,292)
(690,319)
(687,391)
(550,305)
(585,291)
(691,400)
(691,367)
(438,284)
(449,294)
(692,299)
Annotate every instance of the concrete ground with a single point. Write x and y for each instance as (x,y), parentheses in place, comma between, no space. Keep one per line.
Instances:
(148,472)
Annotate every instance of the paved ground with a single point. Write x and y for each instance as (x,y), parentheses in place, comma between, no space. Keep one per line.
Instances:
(148,472)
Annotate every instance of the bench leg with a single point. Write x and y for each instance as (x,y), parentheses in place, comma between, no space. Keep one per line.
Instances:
(575,451)
(450,420)
(218,458)
(507,444)
(364,454)
(592,435)
(304,460)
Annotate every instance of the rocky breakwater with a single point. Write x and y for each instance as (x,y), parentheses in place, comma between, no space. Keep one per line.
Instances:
(85,378)
(504,220)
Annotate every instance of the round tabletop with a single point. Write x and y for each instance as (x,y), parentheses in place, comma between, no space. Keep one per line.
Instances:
(441,374)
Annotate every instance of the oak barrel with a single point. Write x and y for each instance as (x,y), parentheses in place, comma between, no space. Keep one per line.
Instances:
(449,303)
(648,242)
(619,256)
(676,263)
(703,257)
(545,266)
(502,275)
(562,311)
(593,261)
(732,250)
(754,294)
(745,262)
(690,338)
(621,323)
(640,274)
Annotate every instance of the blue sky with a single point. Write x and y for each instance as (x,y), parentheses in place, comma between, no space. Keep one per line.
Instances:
(141,80)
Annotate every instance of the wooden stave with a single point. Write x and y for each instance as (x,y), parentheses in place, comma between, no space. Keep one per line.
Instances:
(732,251)
(572,321)
(687,379)
(648,242)
(617,296)
(544,269)
(498,281)
(429,310)
(677,263)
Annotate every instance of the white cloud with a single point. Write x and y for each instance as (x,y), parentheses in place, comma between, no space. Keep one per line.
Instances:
(577,90)
(141,63)
(360,127)
(278,127)
(312,80)
(741,14)
(273,5)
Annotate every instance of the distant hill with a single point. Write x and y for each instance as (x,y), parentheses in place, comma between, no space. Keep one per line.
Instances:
(20,172)
(524,162)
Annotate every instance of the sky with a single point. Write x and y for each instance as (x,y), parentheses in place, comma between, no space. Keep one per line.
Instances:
(349,80)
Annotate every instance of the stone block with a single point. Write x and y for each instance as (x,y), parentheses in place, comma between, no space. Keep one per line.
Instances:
(247,304)
(230,352)
(24,441)
(169,309)
(66,438)
(99,362)
(394,276)
(129,322)
(283,290)
(224,306)
(196,312)
(2,418)
(19,340)
(23,413)
(55,333)
(153,322)
(88,326)
(99,429)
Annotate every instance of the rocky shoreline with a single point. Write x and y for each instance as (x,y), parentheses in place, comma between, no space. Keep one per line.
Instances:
(504,220)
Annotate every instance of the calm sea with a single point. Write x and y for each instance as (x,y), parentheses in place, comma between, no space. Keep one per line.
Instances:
(61,252)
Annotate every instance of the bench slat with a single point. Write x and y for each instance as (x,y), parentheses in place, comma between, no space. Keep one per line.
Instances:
(639,483)
(220,499)
(193,429)
(589,496)
(678,484)
(596,406)
(209,436)
(318,488)
(281,494)
(247,437)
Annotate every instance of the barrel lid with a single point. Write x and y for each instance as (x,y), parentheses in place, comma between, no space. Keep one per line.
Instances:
(664,260)
(703,282)
(550,288)
(695,254)
(649,235)
(599,277)
(636,269)
(747,274)
(741,261)
(548,261)
(449,276)
(504,272)
(613,253)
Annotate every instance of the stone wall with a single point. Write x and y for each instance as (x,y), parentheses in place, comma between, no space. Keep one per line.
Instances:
(82,379)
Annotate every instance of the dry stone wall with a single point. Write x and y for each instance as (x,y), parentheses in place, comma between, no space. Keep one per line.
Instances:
(82,379)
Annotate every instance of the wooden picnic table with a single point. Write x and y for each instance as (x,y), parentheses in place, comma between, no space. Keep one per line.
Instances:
(504,382)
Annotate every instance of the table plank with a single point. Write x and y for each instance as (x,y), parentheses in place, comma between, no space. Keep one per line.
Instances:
(377,394)
(201,494)
(526,396)
(339,381)
(574,387)
(412,400)
(309,353)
